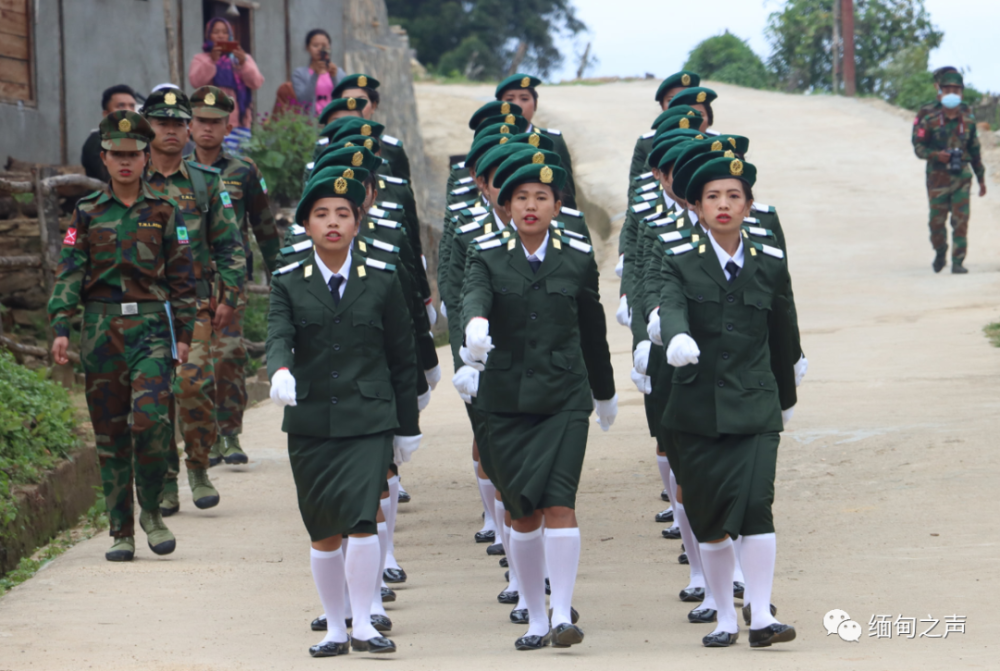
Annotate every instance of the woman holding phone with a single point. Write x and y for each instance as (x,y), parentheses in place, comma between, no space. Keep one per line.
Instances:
(314,84)
(225,64)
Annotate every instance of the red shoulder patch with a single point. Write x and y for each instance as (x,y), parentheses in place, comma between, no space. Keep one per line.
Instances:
(916,120)
(922,133)
(70,238)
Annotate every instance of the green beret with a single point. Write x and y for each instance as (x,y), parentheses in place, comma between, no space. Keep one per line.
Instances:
(366,141)
(732,143)
(525,156)
(671,112)
(518,81)
(498,128)
(514,120)
(211,102)
(942,70)
(351,125)
(671,155)
(684,171)
(483,144)
(719,168)
(352,157)
(342,105)
(329,183)
(951,79)
(682,79)
(494,156)
(354,82)
(539,140)
(491,109)
(661,148)
(167,103)
(690,121)
(350,172)
(125,131)
(694,96)
(534,173)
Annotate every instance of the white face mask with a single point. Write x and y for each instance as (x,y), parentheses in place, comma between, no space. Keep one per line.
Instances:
(951,101)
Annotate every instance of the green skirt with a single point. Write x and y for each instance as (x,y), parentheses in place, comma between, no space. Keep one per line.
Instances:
(339,481)
(666,440)
(477,419)
(728,483)
(537,459)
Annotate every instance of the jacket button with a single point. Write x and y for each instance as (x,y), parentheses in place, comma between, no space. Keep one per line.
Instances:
(729,327)
(564,290)
(336,348)
(336,320)
(725,355)
(371,322)
(531,372)
(761,383)
(758,304)
(730,298)
(534,286)
(721,383)
(534,315)
(503,290)
(532,343)
(334,375)
(333,400)
(303,322)
(700,297)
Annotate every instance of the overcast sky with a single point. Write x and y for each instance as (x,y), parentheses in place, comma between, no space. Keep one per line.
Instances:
(632,37)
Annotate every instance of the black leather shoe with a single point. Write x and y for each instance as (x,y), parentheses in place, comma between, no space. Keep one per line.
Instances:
(738,589)
(504,564)
(533,642)
(381,623)
(394,575)
(319,624)
(330,649)
(665,516)
(574,616)
(507,597)
(404,497)
(747,613)
(566,635)
(496,550)
(682,558)
(519,616)
(673,533)
(691,594)
(720,639)
(665,495)
(378,645)
(486,536)
(702,616)
(775,633)
(388,596)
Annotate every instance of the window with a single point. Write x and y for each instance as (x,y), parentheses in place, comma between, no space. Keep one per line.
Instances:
(15,51)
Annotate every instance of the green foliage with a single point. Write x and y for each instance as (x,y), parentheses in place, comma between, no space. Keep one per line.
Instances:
(480,40)
(727,58)
(255,318)
(281,147)
(992,332)
(36,428)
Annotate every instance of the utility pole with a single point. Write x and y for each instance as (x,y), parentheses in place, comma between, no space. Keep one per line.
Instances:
(835,47)
(847,16)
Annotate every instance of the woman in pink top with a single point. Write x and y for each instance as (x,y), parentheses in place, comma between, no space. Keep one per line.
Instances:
(314,83)
(235,73)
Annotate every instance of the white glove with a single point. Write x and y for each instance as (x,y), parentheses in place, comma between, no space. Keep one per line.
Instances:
(403,447)
(786,415)
(432,314)
(423,400)
(624,315)
(477,338)
(433,376)
(423,260)
(653,327)
(620,266)
(466,381)
(640,357)
(606,412)
(283,388)
(682,350)
(466,356)
(444,310)
(643,383)
(801,366)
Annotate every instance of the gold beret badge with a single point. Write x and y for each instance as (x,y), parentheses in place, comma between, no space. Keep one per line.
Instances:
(545,174)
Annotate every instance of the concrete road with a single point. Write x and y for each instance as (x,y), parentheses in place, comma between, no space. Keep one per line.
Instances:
(886,479)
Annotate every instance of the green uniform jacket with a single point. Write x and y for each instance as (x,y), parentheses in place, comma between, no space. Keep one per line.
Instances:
(559,146)
(935,132)
(398,190)
(738,328)
(643,145)
(354,363)
(391,149)
(549,333)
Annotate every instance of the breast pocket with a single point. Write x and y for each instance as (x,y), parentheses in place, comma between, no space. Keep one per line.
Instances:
(561,300)
(103,247)
(308,324)
(508,287)
(148,246)
(704,308)
(758,304)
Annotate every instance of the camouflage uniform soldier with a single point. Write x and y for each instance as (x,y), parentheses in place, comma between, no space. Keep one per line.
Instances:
(124,257)
(947,140)
(246,186)
(218,253)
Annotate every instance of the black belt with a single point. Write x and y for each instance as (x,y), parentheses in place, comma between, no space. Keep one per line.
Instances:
(123,309)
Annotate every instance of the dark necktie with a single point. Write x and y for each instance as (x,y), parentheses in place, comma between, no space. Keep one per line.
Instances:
(733,271)
(534,263)
(334,284)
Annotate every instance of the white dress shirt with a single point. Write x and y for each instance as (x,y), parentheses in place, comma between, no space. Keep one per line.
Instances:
(724,256)
(342,272)
(539,254)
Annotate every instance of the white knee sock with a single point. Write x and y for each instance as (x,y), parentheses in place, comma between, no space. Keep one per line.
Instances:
(390,520)
(528,552)
(562,553)
(738,568)
(488,493)
(664,466)
(503,536)
(718,560)
(362,580)
(673,487)
(328,574)
(697,577)
(383,547)
(758,560)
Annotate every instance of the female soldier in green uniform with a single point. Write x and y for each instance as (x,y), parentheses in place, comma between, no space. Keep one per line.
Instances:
(340,353)
(538,294)
(724,314)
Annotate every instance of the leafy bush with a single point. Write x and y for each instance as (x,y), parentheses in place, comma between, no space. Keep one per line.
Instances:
(281,146)
(727,58)
(36,428)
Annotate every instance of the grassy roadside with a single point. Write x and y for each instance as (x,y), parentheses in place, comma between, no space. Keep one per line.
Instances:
(992,332)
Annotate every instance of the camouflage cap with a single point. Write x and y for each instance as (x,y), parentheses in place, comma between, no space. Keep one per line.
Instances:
(342,105)
(167,103)
(211,102)
(357,81)
(951,79)
(125,131)
(517,81)
(682,80)
(491,109)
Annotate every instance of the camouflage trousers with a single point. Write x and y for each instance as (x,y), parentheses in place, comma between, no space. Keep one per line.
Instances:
(194,399)
(949,193)
(128,369)
(230,356)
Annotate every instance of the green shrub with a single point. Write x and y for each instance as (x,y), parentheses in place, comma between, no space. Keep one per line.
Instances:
(281,147)
(36,428)
(727,58)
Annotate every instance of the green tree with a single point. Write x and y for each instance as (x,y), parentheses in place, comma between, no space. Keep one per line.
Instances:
(486,39)
(727,58)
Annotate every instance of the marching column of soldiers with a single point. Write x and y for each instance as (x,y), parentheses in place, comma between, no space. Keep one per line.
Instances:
(159,260)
